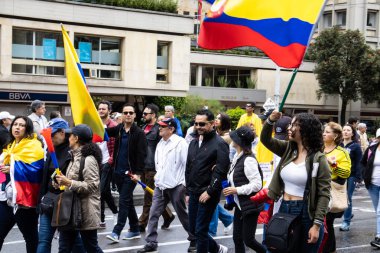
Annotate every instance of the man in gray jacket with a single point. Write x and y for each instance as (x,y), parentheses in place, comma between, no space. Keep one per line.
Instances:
(170,161)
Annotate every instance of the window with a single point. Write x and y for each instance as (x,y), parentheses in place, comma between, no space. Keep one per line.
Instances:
(193,75)
(196,28)
(187,13)
(226,77)
(341,18)
(99,56)
(327,20)
(162,61)
(371,19)
(37,52)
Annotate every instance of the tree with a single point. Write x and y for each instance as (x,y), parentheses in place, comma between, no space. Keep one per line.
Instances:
(344,67)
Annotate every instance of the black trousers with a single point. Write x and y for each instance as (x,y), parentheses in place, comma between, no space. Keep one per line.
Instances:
(105,190)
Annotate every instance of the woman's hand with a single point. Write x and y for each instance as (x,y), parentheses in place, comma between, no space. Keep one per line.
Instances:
(63,180)
(313,234)
(275,115)
(331,160)
(229,190)
(5,169)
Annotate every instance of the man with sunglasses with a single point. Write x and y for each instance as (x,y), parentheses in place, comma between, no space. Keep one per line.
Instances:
(206,167)
(129,155)
(151,130)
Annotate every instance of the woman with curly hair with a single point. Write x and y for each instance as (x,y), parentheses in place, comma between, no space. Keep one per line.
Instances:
(87,188)
(290,178)
(340,166)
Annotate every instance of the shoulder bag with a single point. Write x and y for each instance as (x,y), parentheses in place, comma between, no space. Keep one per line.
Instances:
(339,198)
(67,212)
(284,230)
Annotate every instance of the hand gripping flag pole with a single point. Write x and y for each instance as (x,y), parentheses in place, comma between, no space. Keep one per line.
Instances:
(144,186)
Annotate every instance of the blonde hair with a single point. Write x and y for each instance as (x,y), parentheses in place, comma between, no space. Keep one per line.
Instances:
(338,130)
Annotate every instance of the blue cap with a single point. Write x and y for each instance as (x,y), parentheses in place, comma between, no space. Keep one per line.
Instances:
(58,123)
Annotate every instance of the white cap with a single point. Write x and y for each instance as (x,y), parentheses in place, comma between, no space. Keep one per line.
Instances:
(378,133)
(6,115)
(117,115)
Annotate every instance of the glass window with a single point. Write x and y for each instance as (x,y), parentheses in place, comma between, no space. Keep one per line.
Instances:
(207,76)
(341,18)
(233,78)
(37,52)
(186,13)
(244,77)
(371,19)
(162,61)
(327,19)
(193,75)
(220,78)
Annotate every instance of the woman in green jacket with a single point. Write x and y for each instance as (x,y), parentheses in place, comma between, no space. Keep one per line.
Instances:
(290,177)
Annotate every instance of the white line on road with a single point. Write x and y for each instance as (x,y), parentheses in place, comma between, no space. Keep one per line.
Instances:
(355,247)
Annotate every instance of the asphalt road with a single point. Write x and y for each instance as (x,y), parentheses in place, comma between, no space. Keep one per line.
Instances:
(356,240)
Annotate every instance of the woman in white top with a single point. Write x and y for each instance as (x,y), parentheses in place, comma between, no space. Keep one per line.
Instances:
(371,175)
(246,179)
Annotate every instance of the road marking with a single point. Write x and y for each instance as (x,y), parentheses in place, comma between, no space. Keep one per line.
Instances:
(355,247)
(366,210)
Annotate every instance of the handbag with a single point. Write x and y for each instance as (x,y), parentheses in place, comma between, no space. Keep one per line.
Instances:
(339,198)
(284,230)
(67,212)
(47,203)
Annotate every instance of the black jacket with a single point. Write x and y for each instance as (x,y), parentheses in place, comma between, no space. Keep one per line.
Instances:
(356,154)
(137,146)
(152,137)
(200,174)
(4,137)
(247,206)
(367,162)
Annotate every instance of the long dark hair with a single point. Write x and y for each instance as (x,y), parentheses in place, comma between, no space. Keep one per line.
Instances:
(311,131)
(225,124)
(353,131)
(28,127)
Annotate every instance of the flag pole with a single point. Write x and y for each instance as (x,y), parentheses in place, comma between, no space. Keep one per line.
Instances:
(277,86)
(288,89)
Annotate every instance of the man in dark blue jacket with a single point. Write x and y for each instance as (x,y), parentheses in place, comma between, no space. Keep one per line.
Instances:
(129,155)
(206,167)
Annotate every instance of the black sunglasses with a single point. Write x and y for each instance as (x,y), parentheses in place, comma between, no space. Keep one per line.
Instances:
(201,124)
(146,113)
(130,113)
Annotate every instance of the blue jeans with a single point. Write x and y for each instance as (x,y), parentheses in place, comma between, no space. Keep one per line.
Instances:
(46,234)
(374,193)
(127,209)
(296,207)
(27,222)
(223,215)
(350,191)
(200,215)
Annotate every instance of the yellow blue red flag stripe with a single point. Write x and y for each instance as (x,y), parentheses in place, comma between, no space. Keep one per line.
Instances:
(280,28)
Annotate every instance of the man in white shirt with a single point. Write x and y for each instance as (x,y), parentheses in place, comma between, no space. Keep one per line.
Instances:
(39,120)
(170,162)
(362,128)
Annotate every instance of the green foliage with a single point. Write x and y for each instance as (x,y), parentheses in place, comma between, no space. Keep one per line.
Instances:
(152,5)
(238,84)
(208,82)
(161,102)
(223,82)
(251,84)
(345,66)
(235,115)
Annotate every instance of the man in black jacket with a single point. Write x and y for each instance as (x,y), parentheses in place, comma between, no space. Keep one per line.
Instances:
(206,167)
(129,155)
(5,123)
(153,137)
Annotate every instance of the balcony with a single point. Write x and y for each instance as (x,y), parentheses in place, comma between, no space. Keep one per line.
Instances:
(229,94)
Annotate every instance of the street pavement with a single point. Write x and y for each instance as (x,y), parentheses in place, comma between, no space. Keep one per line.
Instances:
(356,240)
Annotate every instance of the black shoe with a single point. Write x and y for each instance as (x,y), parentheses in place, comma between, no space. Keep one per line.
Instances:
(167,223)
(148,248)
(192,247)
(141,228)
(376,242)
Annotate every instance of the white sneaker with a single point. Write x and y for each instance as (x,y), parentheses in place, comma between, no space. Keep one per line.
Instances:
(222,249)
(228,229)
(115,219)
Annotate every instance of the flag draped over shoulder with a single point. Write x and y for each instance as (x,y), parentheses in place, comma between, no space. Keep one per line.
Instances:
(280,28)
(26,160)
(82,106)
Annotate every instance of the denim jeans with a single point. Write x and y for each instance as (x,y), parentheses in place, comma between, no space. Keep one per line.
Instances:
(350,191)
(220,214)
(27,222)
(374,193)
(46,234)
(127,209)
(296,207)
(200,215)
(89,238)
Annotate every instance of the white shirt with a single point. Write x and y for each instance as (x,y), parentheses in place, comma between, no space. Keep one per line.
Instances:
(170,162)
(251,171)
(105,154)
(376,169)
(294,177)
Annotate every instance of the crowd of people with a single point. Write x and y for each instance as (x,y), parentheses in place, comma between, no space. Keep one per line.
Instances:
(191,170)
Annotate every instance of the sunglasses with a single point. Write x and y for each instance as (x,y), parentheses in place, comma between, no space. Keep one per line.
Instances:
(201,124)
(146,113)
(162,126)
(130,113)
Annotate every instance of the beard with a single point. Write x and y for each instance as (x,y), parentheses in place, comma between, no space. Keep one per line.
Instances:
(104,116)
(147,121)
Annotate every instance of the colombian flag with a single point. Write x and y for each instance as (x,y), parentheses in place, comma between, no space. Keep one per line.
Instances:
(26,160)
(280,28)
(82,106)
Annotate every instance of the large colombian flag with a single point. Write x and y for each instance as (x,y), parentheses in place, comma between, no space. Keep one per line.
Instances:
(280,28)
(26,161)
(82,106)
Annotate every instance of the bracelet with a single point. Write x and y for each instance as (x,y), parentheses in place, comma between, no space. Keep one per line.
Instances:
(270,122)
